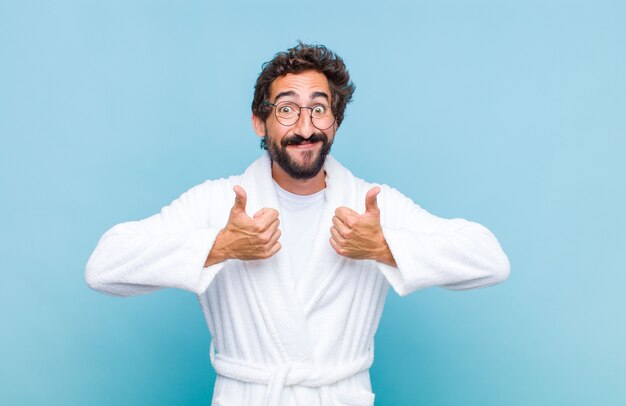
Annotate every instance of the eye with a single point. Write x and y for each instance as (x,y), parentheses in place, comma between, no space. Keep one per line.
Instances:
(319,110)
(288,108)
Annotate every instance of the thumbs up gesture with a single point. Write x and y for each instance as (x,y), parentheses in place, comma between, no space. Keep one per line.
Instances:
(246,237)
(360,236)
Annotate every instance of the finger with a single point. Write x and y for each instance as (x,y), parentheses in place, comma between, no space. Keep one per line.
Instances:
(273,250)
(336,236)
(268,237)
(240,198)
(259,213)
(335,246)
(347,215)
(266,219)
(266,212)
(265,227)
(371,199)
(343,229)
(274,239)
(271,227)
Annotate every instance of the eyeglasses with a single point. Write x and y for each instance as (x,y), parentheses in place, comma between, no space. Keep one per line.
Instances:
(288,113)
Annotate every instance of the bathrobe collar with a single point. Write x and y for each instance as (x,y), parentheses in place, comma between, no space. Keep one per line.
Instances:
(285,304)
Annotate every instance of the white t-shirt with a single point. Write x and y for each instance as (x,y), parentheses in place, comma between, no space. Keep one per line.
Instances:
(299,222)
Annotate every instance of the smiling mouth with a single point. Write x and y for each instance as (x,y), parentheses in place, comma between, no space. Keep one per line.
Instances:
(303,144)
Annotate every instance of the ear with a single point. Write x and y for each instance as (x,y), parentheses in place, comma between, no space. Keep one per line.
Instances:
(258,125)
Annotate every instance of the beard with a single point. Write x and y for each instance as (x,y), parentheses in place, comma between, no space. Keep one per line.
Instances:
(313,161)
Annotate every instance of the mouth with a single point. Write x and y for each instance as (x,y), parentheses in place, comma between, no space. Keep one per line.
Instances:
(304,145)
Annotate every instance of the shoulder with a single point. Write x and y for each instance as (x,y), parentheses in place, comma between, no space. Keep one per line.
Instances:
(388,197)
(221,184)
(212,189)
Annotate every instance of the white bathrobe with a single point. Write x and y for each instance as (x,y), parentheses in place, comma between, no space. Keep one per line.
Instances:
(274,341)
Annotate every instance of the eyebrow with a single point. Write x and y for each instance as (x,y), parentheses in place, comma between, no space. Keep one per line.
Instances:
(284,94)
(291,93)
(315,95)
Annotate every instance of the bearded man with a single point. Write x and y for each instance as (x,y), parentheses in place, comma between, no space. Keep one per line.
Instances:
(292,270)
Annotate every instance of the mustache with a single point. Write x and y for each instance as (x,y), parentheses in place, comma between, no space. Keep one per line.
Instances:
(297,139)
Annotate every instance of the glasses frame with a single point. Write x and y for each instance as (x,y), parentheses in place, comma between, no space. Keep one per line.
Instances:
(275,105)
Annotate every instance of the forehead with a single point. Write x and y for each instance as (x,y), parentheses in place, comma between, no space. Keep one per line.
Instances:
(302,84)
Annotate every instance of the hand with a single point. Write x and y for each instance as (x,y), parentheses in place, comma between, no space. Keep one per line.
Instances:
(360,236)
(246,237)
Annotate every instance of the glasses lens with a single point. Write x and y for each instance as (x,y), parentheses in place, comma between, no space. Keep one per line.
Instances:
(287,113)
(322,116)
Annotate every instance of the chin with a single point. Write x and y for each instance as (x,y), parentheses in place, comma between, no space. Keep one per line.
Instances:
(304,170)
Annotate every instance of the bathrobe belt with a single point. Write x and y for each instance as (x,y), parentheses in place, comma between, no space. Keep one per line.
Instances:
(276,378)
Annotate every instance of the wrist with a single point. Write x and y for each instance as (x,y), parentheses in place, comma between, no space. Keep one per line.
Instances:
(219,252)
(385,256)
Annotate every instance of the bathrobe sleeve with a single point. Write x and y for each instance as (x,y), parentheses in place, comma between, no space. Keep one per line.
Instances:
(433,251)
(167,249)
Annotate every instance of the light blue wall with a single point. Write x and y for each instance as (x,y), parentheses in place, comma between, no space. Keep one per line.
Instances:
(510,113)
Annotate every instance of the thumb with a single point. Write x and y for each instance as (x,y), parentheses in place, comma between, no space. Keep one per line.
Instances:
(371,200)
(240,199)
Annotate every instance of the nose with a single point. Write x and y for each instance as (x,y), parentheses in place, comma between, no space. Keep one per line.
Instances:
(304,126)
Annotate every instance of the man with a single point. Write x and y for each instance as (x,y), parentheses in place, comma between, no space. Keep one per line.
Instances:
(292,275)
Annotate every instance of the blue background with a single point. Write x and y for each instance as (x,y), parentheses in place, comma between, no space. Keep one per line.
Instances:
(509,113)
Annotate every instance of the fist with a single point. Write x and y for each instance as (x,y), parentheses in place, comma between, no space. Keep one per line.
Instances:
(246,237)
(360,236)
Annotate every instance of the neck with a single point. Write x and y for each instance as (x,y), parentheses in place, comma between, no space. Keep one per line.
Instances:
(298,186)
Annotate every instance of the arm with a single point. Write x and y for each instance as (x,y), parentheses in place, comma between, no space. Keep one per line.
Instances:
(432,251)
(168,249)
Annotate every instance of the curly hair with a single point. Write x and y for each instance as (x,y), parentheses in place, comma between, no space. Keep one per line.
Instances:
(300,58)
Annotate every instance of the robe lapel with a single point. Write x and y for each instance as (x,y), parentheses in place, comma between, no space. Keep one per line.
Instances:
(272,279)
(324,262)
(285,305)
